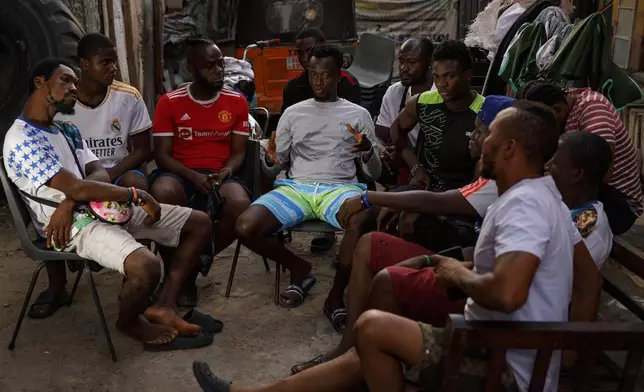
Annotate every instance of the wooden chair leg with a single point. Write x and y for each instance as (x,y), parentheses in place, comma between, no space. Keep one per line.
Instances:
(233,268)
(30,291)
(268,267)
(277,284)
(99,309)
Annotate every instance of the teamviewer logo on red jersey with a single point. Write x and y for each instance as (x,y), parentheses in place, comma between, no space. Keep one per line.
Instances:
(185,133)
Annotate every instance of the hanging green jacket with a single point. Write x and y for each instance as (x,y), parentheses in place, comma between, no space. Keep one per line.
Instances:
(586,56)
(520,60)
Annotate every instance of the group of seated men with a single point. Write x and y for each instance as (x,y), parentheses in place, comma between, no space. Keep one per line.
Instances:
(477,219)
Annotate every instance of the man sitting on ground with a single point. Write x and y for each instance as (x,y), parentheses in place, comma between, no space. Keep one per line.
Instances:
(521,273)
(51,165)
(414,67)
(587,110)
(320,138)
(299,89)
(110,116)
(200,136)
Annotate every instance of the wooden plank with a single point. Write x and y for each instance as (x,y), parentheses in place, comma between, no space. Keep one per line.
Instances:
(628,256)
(133,39)
(157,42)
(540,369)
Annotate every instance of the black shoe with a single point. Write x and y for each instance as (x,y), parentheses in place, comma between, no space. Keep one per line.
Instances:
(322,242)
(207,380)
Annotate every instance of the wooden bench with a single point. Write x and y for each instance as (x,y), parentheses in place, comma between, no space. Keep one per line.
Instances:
(589,339)
(592,340)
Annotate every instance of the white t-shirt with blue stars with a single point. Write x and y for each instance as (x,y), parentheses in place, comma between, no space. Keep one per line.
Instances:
(33,155)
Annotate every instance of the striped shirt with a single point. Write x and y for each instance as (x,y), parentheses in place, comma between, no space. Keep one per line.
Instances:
(593,112)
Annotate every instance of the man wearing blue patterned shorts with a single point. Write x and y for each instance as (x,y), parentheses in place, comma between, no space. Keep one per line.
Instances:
(320,140)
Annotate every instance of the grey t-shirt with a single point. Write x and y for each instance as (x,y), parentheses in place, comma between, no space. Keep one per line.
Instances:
(313,137)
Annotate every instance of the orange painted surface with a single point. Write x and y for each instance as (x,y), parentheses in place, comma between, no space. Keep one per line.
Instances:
(273,69)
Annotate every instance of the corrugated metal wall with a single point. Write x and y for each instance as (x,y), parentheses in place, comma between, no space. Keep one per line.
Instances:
(468,9)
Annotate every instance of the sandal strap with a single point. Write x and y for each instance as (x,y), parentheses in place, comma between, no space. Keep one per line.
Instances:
(340,312)
(294,289)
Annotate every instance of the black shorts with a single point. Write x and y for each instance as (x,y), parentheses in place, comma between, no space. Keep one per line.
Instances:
(196,200)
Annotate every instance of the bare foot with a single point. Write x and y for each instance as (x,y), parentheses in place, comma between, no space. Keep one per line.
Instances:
(145,332)
(168,317)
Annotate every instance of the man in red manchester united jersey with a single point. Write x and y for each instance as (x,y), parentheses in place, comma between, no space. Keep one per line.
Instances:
(200,134)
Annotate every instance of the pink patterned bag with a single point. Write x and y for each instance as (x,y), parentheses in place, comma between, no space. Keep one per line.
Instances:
(111,212)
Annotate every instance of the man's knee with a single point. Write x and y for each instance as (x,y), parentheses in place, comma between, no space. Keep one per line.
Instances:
(368,328)
(198,224)
(143,269)
(133,179)
(381,283)
(246,225)
(362,253)
(169,191)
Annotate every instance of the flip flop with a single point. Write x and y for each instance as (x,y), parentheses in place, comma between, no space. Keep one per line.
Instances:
(295,295)
(320,359)
(207,379)
(208,324)
(49,303)
(182,343)
(337,317)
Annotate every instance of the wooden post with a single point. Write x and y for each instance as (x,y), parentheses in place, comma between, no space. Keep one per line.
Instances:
(157,42)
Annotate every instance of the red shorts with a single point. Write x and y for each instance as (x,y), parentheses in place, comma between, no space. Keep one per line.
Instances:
(416,292)
(403,176)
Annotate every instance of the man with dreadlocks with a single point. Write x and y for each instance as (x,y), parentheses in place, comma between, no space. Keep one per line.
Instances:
(200,134)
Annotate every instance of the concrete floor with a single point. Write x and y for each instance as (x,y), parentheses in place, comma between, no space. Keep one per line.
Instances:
(260,342)
(67,352)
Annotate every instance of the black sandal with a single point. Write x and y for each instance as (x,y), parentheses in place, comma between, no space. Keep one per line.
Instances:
(295,295)
(320,359)
(47,304)
(207,379)
(338,318)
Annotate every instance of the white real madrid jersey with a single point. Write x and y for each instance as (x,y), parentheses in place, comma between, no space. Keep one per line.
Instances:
(107,127)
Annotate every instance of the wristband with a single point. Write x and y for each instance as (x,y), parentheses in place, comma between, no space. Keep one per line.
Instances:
(130,195)
(428,261)
(414,169)
(365,202)
(230,171)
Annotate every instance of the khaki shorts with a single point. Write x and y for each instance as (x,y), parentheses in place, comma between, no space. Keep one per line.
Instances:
(473,366)
(109,245)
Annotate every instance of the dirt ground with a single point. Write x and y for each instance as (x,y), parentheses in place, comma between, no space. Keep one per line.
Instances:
(260,342)
(67,352)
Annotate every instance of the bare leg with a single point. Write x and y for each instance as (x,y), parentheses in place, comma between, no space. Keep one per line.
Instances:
(194,235)
(57,276)
(383,340)
(360,224)
(237,201)
(142,272)
(341,374)
(254,228)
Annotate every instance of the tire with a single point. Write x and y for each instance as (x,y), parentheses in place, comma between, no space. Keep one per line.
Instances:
(31,30)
